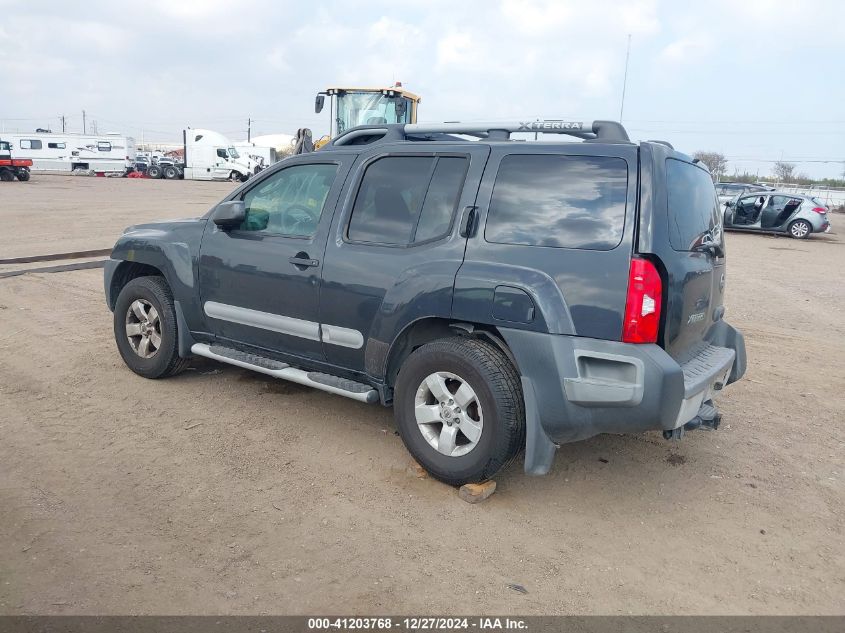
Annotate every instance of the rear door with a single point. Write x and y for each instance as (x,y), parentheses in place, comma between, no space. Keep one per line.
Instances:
(695,271)
(395,248)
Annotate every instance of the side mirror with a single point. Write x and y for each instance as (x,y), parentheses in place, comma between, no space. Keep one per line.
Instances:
(729,203)
(228,215)
(319,102)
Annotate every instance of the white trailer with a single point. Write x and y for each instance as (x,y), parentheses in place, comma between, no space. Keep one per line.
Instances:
(81,153)
(211,156)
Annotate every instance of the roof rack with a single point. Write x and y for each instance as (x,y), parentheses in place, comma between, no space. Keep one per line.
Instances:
(610,131)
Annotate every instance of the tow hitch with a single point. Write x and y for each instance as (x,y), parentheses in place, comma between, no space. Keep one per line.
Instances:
(708,418)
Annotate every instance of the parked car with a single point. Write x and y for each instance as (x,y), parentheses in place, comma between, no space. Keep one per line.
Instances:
(727,191)
(499,295)
(777,212)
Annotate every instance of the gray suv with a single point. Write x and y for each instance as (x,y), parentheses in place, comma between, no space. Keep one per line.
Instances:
(501,296)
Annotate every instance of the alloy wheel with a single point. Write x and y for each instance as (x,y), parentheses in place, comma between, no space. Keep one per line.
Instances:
(448,414)
(143,328)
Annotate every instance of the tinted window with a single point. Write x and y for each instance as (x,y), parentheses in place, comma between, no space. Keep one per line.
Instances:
(406,199)
(693,206)
(559,201)
(289,202)
(30,144)
(441,199)
(56,145)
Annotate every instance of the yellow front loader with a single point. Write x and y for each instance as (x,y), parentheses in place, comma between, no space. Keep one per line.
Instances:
(350,107)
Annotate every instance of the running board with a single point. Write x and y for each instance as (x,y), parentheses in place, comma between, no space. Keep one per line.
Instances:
(325,382)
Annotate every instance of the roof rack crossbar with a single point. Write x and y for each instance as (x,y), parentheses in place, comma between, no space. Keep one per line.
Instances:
(600,130)
(610,131)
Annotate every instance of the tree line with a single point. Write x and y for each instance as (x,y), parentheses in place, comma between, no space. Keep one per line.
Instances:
(782,171)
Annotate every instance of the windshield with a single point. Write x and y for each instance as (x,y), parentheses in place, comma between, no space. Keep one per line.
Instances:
(234,153)
(367,108)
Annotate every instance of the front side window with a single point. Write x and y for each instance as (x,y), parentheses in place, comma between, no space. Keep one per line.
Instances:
(30,143)
(407,199)
(693,205)
(221,153)
(290,202)
(559,201)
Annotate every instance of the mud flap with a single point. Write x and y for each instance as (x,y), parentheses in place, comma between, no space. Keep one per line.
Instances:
(539,449)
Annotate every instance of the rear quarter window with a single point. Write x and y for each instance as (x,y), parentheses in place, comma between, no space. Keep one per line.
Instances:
(693,206)
(559,201)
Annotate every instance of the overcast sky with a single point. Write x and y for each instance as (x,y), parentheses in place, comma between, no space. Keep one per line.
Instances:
(757,80)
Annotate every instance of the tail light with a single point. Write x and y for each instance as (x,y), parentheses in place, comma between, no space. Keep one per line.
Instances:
(642,306)
(820,209)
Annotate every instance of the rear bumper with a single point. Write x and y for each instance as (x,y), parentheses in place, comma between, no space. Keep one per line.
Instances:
(577,387)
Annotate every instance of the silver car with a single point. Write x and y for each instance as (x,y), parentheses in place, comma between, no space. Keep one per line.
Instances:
(727,191)
(777,212)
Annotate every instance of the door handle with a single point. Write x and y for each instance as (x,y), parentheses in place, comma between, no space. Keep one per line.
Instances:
(302,261)
(469,221)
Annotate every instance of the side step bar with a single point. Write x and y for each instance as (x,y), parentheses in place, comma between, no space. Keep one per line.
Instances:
(325,382)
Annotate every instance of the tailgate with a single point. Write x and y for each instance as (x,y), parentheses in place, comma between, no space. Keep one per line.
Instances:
(686,237)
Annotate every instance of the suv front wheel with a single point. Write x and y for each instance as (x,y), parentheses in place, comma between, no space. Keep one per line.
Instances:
(145,328)
(459,409)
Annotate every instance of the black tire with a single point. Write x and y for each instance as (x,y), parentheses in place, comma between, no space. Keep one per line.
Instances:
(496,383)
(166,360)
(171,173)
(800,229)
(6,175)
(154,171)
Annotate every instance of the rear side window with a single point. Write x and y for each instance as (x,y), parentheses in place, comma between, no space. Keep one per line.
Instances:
(30,143)
(693,206)
(559,201)
(407,199)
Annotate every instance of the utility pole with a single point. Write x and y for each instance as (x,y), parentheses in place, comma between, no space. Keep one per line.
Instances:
(63,124)
(84,128)
(625,78)
(249,130)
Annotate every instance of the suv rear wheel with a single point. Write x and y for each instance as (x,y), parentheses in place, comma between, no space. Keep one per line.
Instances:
(145,328)
(459,409)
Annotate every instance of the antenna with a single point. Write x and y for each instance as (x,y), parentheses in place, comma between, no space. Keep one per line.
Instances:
(625,78)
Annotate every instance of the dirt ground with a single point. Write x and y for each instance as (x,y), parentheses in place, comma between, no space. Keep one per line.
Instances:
(222,491)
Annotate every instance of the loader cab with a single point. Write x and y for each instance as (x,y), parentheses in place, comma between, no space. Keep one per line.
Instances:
(351,107)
